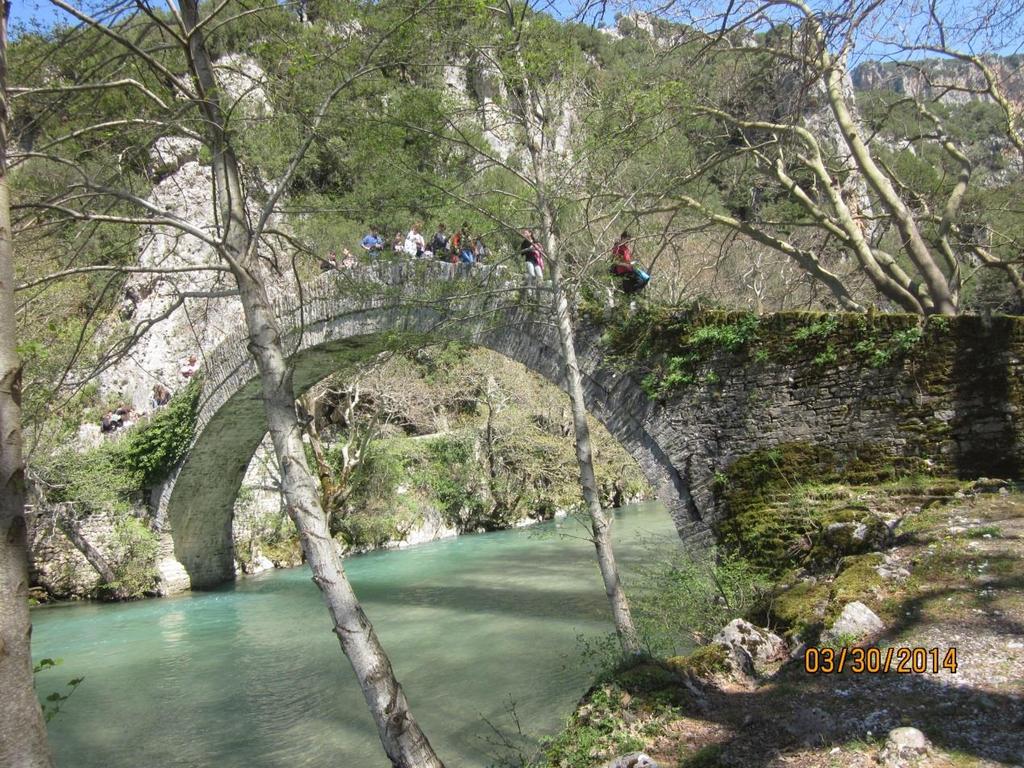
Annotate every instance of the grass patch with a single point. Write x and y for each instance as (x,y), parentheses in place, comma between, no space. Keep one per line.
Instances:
(614,719)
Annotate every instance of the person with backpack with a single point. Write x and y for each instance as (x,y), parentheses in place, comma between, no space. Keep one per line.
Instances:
(633,279)
(622,256)
(462,245)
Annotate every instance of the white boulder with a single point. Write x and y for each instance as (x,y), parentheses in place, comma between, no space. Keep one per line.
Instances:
(904,747)
(856,620)
(633,760)
(750,648)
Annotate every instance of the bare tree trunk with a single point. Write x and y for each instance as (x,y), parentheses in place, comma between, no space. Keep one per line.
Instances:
(22,729)
(539,145)
(405,744)
(600,520)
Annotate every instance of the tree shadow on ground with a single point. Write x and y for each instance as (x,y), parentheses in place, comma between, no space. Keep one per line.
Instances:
(843,719)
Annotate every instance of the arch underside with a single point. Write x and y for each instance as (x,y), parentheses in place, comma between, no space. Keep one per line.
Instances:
(196,505)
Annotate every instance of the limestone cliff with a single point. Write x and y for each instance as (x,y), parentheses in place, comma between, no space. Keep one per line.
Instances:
(945,80)
(179,313)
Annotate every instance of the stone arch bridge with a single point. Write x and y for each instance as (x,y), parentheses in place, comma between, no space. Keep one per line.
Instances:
(680,445)
(343,318)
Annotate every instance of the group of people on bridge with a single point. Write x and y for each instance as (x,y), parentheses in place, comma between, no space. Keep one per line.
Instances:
(465,247)
(462,247)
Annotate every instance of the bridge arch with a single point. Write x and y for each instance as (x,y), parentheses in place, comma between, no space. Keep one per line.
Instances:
(341,319)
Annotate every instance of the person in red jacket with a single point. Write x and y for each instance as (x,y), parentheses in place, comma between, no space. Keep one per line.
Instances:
(622,256)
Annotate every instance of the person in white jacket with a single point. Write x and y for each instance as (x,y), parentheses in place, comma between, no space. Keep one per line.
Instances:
(414,243)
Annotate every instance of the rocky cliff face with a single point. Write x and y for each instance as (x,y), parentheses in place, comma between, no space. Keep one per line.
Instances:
(187,312)
(945,80)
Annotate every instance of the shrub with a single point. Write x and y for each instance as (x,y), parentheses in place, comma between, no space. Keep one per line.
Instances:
(155,447)
(136,547)
(105,477)
(687,594)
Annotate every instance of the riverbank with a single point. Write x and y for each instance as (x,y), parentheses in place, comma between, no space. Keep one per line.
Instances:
(950,576)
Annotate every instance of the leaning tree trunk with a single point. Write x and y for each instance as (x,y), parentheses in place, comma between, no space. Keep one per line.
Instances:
(95,558)
(539,146)
(22,730)
(405,744)
(600,519)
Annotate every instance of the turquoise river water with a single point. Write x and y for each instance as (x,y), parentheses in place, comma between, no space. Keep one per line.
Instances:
(251,676)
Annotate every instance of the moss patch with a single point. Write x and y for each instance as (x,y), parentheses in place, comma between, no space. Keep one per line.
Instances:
(857,581)
(673,346)
(792,505)
(800,609)
(704,662)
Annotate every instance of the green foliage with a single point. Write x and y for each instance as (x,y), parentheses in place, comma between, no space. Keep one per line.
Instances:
(452,474)
(729,336)
(155,447)
(136,546)
(818,330)
(826,357)
(601,729)
(507,454)
(671,348)
(576,746)
(878,351)
(371,530)
(673,344)
(106,477)
(270,533)
(685,595)
(53,702)
(94,480)
(676,374)
(375,514)
(629,706)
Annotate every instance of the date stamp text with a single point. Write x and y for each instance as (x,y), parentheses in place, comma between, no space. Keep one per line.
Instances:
(900,659)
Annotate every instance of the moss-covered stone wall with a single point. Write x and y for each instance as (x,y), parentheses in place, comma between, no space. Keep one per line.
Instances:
(882,393)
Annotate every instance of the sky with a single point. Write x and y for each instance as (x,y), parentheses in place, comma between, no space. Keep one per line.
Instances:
(28,12)
(904,18)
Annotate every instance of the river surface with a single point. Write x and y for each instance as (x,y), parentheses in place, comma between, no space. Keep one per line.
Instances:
(251,676)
